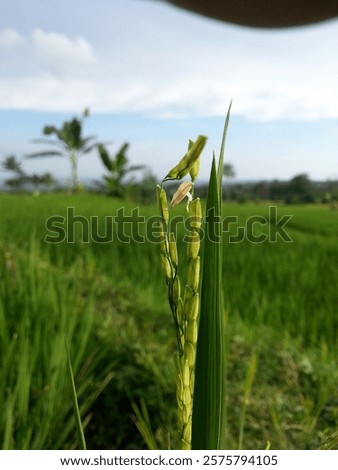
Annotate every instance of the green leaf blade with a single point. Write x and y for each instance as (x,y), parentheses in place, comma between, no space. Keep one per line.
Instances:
(221,156)
(77,415)
(209,393)
(47,153)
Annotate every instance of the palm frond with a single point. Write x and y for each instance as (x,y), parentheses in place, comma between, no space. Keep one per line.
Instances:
(46,153)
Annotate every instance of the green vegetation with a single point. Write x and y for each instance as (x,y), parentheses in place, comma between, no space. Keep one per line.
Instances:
(21,180)
(298,190)
(185,305)
(120,181)
(118,168)
(109,300)
(69,143)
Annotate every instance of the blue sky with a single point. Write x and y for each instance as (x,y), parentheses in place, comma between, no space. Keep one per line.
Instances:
(156,76)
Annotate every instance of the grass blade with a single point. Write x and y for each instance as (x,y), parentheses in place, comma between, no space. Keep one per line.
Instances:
(209,411)
(79,427)
(8,424)
(143,424)
(209,393)
(221,156)
(249,379)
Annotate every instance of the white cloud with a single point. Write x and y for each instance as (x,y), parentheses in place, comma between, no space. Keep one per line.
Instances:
(194,69)
(57,50)
(41,54)
(10,39)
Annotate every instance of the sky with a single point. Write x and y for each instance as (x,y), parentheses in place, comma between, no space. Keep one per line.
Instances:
(155,76)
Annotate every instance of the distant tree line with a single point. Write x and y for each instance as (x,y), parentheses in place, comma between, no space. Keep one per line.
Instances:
(125,181)
(298,190)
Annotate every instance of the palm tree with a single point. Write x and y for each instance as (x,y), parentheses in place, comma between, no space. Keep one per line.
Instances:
(69,142)
(228,170)
(20,180)
(118,168)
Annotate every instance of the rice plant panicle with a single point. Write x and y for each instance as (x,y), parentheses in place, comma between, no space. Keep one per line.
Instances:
(187,162)
(185,311)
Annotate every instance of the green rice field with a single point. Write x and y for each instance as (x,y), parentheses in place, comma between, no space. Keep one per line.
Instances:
(103,290)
